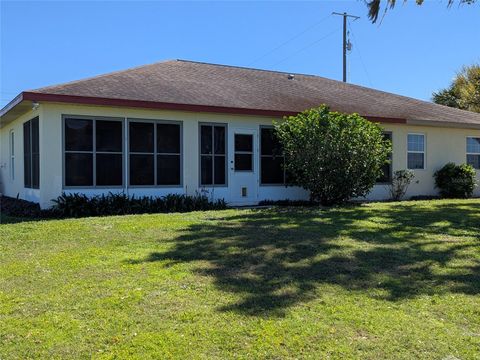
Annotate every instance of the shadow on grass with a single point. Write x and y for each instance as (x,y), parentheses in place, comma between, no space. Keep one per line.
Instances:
(276,258)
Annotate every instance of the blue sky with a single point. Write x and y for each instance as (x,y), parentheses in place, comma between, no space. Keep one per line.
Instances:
(414,51)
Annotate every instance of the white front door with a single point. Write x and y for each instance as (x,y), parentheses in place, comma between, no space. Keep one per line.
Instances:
(243,166)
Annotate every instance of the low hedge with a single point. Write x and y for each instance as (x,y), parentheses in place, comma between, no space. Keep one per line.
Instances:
(80,205)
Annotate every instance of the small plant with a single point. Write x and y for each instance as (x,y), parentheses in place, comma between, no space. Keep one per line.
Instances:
(401,179)
(455,181)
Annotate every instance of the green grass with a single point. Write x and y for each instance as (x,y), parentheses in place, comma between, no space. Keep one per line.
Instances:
(377,281)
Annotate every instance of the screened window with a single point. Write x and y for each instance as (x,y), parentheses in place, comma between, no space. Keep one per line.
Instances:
(416,151)
(213,164)
(11,147)
(473,152)
(93,152)
(155,153)
(386,176)
(243,152)
(272,161)
(31,153)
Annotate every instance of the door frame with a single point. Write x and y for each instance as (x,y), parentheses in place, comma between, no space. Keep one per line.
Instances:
(235,199)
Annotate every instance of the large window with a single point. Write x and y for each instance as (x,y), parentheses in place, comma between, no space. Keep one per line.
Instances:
(386,176)
(31,154)
(416,151)
(272,161)
(11,146)
(213,163)
(93,152)
(155,153)
(473,152)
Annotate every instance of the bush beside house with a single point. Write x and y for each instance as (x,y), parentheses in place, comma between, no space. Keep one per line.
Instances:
(455,181)
(335,156)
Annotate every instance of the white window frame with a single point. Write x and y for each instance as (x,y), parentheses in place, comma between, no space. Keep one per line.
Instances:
(466,148)
(11,137)
(424,152)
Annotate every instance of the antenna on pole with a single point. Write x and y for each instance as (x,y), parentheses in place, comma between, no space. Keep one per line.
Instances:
(346,46)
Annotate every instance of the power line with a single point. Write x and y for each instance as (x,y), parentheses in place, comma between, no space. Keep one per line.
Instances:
(360,55)
(289,40)
(308,46)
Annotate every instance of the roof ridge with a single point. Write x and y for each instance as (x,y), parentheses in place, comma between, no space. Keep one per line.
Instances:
(102,75)
(247,68)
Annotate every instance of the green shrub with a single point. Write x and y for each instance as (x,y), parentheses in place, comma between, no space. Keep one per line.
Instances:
(333,155)
(455,181)
(16,207)
(401,179)
(80,205)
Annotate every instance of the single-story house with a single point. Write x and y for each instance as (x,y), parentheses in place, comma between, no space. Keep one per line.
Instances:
(187,127)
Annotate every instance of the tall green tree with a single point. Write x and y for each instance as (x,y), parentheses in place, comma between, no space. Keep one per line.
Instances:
(463,92)
(374,6)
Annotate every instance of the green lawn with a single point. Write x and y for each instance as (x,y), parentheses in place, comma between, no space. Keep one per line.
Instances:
(377,281)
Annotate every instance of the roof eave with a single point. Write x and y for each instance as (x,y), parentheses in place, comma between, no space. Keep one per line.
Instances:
(436,123)
(99,101)
(15,108)
(16,100)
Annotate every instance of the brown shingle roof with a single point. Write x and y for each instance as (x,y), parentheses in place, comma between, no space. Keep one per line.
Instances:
(201,84)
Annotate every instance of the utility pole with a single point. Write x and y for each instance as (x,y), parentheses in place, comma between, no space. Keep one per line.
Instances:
(345,16)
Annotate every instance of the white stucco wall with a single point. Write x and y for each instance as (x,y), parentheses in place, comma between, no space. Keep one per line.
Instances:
(442,145)
(14,187)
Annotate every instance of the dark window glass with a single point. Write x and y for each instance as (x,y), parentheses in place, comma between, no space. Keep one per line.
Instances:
(272,159)
(35,154)
(141,137)
(108,136)
(27,155)
(386,176)
(474,160)
(168,169)
(270,145)
(36,171)
(168,138)
(219,140)
(243,162)
(206,172)
(78,169)
(78,135)
(220,169)
(243,142)
(109,169)
(31,154)
(206,139)
(141,170)
(35,136)
(415,160)
(272,170)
